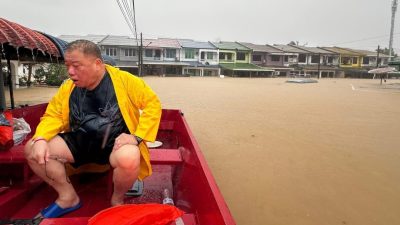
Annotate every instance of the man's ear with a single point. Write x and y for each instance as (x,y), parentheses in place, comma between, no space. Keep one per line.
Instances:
(99,63)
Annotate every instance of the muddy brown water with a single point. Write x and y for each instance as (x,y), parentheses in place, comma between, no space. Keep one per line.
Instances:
(324,153)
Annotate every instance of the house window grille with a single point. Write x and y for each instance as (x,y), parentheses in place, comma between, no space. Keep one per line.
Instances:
(111,51)
(302,58)
(315,59)
(240,56)
(148,53)
(189,53)
(171,53)
(275,58)
(130,52)
(210,55)
(366,60)
(257,58)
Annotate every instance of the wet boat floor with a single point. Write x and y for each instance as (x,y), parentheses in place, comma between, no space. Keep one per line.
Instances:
(94,193)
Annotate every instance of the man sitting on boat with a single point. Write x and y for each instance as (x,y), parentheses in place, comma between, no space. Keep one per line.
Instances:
(94,118)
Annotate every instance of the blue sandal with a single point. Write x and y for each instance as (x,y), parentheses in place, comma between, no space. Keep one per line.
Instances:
(54,210)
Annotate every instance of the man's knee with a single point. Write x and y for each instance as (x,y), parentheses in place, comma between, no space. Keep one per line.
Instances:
(126,157)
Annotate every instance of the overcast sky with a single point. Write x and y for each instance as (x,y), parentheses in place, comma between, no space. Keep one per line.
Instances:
(349,23)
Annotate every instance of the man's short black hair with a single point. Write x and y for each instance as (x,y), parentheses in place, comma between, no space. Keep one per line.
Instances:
(87,48)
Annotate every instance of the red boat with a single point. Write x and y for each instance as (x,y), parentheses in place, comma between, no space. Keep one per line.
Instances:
(178,165)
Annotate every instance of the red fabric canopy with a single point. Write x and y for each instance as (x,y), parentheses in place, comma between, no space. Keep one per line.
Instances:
(19,36)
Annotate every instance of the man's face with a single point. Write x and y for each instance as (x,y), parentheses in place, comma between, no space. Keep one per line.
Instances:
(83,69)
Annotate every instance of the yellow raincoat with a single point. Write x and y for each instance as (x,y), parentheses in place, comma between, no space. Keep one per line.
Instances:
(132,94)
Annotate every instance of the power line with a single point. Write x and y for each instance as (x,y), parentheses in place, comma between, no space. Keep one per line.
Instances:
(365,39)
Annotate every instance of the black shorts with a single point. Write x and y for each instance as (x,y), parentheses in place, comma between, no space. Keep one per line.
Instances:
(86,149)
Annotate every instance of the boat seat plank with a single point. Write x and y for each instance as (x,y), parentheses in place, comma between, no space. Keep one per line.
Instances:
(157,156)
(165,156)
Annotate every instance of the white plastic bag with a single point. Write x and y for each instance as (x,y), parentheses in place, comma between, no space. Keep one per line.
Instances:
(21,130)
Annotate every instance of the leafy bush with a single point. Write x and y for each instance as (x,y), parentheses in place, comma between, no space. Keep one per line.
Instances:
(51,74)
(57,73)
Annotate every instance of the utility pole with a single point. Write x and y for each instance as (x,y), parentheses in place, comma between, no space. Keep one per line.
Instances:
(2,96)
(394,8)
(377,57)
(141,55)
(319,65)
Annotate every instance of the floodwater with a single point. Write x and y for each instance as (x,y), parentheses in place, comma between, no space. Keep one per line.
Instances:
(322,153)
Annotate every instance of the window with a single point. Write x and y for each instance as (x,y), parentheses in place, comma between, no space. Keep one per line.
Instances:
(355,60)
(129,52)
(189,53)
(171,53)
(210,55)
(286,58)
(302,58)
(315,59)
(256,58)
(275,58)
(157,53)
(222,55)
(330,59)
(111,51)
(346,61)
(365,60)
(202,55)
(229,56)
(240,56)
(148,53)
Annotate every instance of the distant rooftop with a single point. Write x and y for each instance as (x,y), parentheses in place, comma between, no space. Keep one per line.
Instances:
(261,48)
(90,37)
(186,43)
(367,52)
(230,46)
(118,40)
(341,51)
(162,43)
(315,50)
(291,49)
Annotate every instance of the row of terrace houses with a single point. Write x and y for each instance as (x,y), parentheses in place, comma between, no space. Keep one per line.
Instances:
(184,57)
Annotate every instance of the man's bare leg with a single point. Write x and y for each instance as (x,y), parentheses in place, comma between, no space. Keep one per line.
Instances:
(126,164)
(56,174)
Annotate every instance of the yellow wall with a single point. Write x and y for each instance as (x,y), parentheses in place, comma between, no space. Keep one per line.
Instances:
(352,63)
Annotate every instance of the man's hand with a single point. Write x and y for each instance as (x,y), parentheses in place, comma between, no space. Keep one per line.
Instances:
(124,139)
(40,151)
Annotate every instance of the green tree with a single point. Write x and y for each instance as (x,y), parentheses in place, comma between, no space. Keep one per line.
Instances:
(386,51)
(40,74)
(51,74)
(56,74)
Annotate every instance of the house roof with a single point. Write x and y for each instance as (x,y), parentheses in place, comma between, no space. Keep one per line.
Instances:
(261,48)
(90,37)
(225,45)
(187,43)
(291,49)
(243,67)
(315,50)
(118,41)
(341,51)
(367,52)
(162,43)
